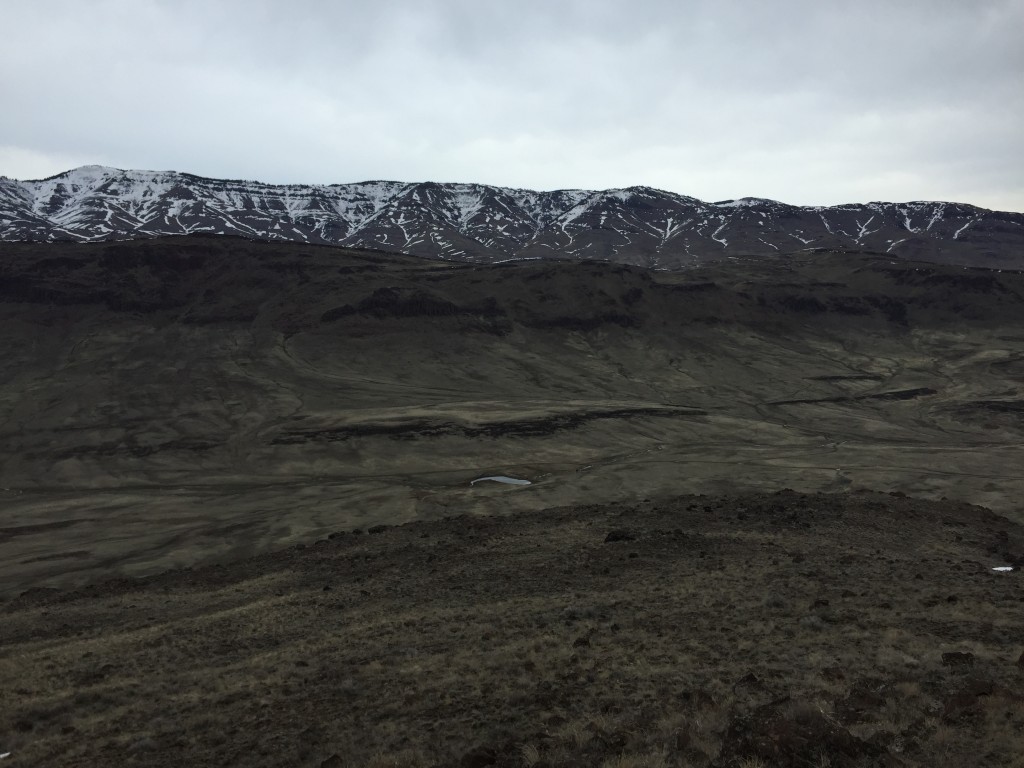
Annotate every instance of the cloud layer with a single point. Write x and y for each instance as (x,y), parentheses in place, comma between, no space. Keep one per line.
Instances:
(807,102)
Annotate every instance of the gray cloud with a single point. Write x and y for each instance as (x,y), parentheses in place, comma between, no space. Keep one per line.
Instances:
(802,101)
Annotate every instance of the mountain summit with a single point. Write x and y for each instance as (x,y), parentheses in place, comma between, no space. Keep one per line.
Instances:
(482,223)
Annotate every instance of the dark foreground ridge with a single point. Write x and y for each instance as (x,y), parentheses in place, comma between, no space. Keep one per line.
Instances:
(771,629)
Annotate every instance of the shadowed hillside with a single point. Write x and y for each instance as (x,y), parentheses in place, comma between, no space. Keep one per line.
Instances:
(175,401)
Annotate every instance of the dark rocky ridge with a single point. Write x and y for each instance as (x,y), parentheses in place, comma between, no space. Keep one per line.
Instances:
(481,223)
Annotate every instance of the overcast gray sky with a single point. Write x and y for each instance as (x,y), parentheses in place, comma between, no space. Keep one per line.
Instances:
(810,102)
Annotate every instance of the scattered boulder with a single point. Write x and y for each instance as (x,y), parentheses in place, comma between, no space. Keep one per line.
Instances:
(750,683)
(978,686)
(793,734)
(313,734)
(752,690)
(619,534)
(882,739)
(962,707)
(699,699)
(835,673)
(968,703)
(864,698)
(958,659)
(143,745)
(577,612)
(480,757)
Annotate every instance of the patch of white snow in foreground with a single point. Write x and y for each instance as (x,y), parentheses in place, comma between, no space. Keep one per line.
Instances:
(4,755)
(1003,568)
(501,479)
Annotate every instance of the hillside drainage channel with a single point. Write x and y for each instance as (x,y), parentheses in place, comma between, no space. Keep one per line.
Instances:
(501,479)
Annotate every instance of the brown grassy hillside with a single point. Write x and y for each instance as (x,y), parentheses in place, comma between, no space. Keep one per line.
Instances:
(190,400)
(768,629)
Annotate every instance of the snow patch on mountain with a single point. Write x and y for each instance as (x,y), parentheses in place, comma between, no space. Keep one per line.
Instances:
(479,222)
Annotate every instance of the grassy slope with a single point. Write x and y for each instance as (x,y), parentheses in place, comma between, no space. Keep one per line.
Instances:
(720,630)
(163,402)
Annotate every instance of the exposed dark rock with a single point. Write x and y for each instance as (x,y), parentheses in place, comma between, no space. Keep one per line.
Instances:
(902,394)
(866,697)
(834,673)
(790,735)
(978,686)
(960,707)
(479,758)
(958,659)
(421,428)
(619,534)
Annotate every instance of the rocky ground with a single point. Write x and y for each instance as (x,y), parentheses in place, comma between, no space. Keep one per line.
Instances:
(770,629)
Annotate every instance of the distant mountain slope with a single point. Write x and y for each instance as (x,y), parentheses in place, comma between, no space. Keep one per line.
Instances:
(481,223)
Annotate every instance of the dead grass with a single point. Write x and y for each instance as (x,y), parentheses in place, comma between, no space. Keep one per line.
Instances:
(532,640)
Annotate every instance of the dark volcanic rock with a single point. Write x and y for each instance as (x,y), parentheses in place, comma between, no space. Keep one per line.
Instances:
(619,534)
(479,758)
(788,734)
(958,659)
(960,707)
(865,698)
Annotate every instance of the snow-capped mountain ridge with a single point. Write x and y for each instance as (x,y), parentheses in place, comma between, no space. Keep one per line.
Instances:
(480,222)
